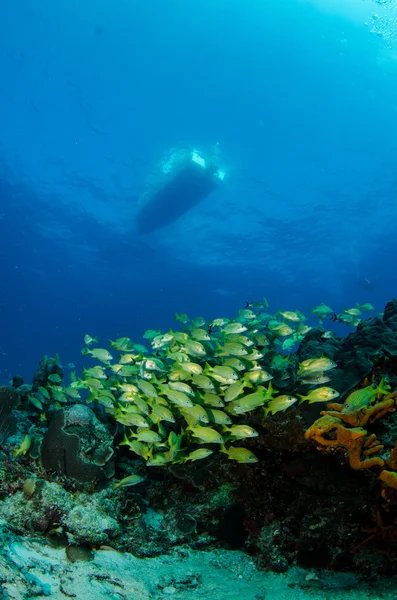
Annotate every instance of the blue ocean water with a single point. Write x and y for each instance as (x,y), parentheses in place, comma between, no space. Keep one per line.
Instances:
(301,97)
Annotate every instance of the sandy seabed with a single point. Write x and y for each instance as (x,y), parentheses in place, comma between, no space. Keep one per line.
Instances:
(30,569)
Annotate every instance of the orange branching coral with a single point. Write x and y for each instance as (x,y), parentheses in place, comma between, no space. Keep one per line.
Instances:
(364,414)
(344,426)
(355,440)
(389,478)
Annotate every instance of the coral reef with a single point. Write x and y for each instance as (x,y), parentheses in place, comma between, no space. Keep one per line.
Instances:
(125,455)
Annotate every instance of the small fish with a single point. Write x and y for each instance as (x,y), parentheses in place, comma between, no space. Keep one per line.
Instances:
(58,394)
(303,330)
(163,413)
(207,434)
(93,384)
(44,392)
(248,403)
(213,400)
(198,322)
(366,306)
(179,386)
(203,382)
(246,314)
(95,372)
(182,318)
(150,334)
(280,362)
(135,446)
(242,431)
(72,392)
(280,403)
(282,330)
(128,388)
(328,335)
(178,374)
(353,312)
(100,354)
(221,371)
(122,344)
(321,394)
(24,447)
(174,442)
(258,376)
(290,315)
(232,349)
(234,327)
(315,378)
(254,305)
(289,343)
(219,417)
(235,363)
(128,370)
(153,364)
(161,340)
(128,358)
(322,311)
(159,459)
(191,367)
(194,348)
(201,335)
(362,398)
(261,340)
(55,378)
(312,365)
(131,419)
(197,412)
(148,436)
(236,389)
(130,480)
(241,455)
(198,454)
(219,322)
(142,405)
(147,388)
(89,339)
(178,398)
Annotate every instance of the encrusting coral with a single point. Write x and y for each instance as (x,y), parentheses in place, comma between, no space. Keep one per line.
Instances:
(345,425)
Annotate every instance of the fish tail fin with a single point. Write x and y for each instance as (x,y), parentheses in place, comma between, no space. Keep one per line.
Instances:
(247,382)
(383,387)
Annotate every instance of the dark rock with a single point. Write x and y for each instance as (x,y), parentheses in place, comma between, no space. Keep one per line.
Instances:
(9,399)
(186,524)
(231,526)
(16,381)
(47,366)
(61,449)
(390,315)
(81,552)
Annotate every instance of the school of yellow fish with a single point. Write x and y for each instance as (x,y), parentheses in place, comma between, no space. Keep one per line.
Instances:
(190,393)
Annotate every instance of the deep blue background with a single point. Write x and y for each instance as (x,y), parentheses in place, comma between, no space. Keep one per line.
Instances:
(302,99)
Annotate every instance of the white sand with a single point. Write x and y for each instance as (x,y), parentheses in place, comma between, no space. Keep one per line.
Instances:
(30,570)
